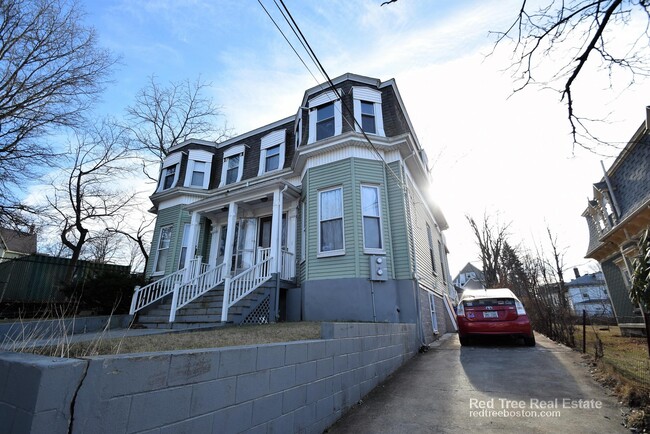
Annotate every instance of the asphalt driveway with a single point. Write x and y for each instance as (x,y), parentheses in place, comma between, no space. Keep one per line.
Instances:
(493,386)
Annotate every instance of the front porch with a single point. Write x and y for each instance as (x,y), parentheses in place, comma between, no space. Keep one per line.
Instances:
(252,244)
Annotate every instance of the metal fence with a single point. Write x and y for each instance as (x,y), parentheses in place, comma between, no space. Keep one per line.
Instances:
(38,278)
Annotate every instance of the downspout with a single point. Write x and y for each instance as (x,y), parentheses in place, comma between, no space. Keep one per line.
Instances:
(278,268)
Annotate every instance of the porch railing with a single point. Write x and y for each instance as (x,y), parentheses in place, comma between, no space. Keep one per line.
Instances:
(239,286)
(148,294)
(196,287)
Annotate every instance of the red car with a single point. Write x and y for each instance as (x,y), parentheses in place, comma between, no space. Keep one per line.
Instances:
(492,312)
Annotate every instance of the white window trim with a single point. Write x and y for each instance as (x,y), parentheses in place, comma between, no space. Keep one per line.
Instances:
(372,96)
(231,152)
(196,155)
(154,272)
(269,141)
(320,100)
(381,221)
(171,160)
(432,253)
(303,231)
(329,253)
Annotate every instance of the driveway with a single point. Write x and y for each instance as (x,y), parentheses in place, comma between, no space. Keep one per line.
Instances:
(493,386)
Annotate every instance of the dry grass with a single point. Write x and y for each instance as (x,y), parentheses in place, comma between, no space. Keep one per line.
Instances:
(222,337)
(626,355)
(622,364)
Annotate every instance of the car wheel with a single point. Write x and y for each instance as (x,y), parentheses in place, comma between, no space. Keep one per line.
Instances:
(529,341)
(464,340)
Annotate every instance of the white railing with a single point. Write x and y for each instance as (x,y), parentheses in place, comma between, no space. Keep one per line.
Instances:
(288,265)
(196,287)
(239,286)
(148,294)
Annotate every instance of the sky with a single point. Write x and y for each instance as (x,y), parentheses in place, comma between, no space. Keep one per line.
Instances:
(493,151)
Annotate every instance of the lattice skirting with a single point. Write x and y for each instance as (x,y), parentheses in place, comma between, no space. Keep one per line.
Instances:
(261,314)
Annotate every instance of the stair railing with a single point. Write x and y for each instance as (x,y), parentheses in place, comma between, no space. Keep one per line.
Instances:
(239,286)
(148,294)
(207,279)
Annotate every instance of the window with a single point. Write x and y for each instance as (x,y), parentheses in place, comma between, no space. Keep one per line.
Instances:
(303,233)
(169,172)
(232,169)
(442,262)
(433,257)
(368,117)
(367,110)
(330,217)
(272,152)
(325,119)
(298,129)
(199,164)
(184,245)
(233,165)
(163,249)
(371,218)
(169,175)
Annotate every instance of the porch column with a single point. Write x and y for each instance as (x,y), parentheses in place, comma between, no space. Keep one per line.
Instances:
(214,244)
(230,238)
(276,232)
(192,240)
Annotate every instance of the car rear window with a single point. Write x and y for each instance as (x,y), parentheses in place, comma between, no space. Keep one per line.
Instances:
(490,302)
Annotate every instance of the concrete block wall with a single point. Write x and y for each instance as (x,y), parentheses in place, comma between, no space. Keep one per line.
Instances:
(37,393)
(46,328)
(288,387)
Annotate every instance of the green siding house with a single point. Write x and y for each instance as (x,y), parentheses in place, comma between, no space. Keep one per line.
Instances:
(323,215)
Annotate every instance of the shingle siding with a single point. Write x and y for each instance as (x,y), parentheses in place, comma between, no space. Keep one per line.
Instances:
(631,180)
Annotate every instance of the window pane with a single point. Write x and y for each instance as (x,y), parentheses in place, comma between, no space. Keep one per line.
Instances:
(331,235)
(272,158)
(368,124)
(233,169)
(325,111)
(198,174)
(331,204)
(370,201)
(371,233)
(170,173)
(325,121)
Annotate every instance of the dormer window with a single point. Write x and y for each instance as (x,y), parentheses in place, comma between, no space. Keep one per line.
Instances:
(325,119)
(233,165)
(199,165)
(169,172)
(367,110)
(272,152)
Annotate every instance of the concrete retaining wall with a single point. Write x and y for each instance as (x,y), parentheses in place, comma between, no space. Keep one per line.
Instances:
(300,386)
(44,329)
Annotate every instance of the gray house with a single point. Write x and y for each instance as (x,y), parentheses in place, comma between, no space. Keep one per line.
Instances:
(323,215)
(589,293)
(616,217)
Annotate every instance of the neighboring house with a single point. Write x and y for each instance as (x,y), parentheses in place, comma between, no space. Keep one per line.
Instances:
(308,213)
(470,277)
(616,216)
(589,293)
(14,244)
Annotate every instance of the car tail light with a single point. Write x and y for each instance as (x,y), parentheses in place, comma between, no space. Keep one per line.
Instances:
(520,308)
(460,311)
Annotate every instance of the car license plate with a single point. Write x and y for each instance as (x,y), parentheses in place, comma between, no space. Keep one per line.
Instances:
(490,314)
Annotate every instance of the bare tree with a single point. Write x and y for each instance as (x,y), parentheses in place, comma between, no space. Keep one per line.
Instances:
(490,238)
(139,236)
(162,117)
(587,33)
(103,247)
(89,196)
(51,69)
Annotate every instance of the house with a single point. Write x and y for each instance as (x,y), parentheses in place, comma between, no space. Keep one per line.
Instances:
(322,215)
(470,277)
(616,216)
(589,293)
(14,243)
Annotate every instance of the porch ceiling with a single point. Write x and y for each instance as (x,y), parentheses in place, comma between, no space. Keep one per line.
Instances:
(244,193)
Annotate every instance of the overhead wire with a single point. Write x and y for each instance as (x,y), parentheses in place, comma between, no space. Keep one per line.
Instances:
(303,41)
